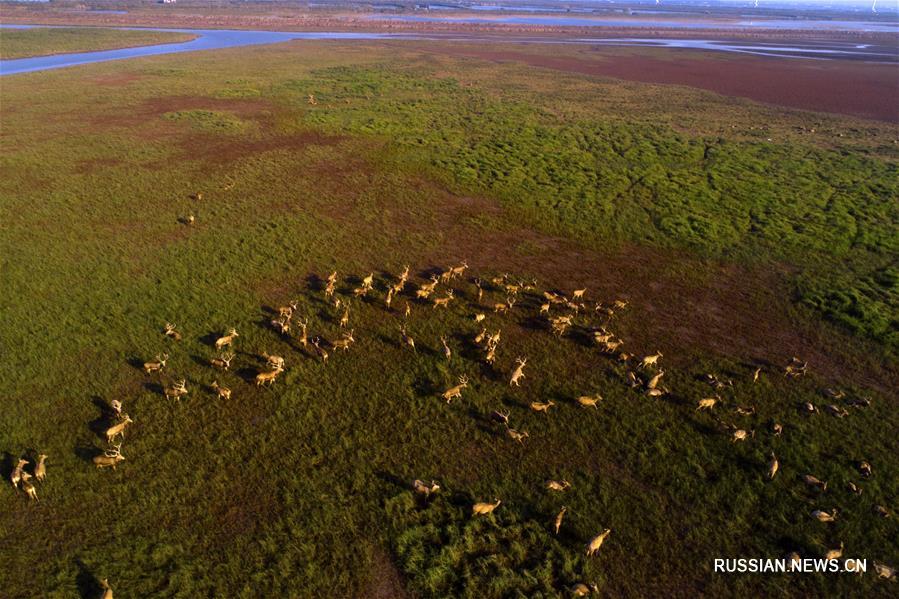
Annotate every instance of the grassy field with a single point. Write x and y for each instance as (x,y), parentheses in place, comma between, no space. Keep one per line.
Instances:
(737,245)
(40,41)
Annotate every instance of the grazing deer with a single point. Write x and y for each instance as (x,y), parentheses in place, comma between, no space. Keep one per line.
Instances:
(268,378)
(316,344)
(407,340)
(539,406)
(482,509)
(582,589)
(40,469)
(589,401)
(773,466)
(515,435)
(707,403)
(223,362)
(518,373)
(446,349)
(16,476)
(303,338)
(110,458)
(456,392)
(107,590)
(176,390)
(424,489)
(273,361)
(443,302)
(226,340)
(221,392)
(344,342)
(823,516)
(171,332)
(288,310)
(558,485)
(559,517)
(156,365)
(119,429)
(648,361)
(596,542)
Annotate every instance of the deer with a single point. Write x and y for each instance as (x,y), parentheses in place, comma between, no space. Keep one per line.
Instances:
(221,392)
(755,375)
(884,571)
(408,311)
(303,337)
(559,517)
(480,336)
(156,365)
(345,341)
(881,511)
(176,390)
(558,485)
(40,469)
(28,487)
(482,509)
(170,332)
(288,310)
(589,401)
(345,319)
(578,293)
(494,339)
(773,466)
(447,352)
(368,282)
(456,392)
(424,489)
(490,356)
(109,458)
(404,276)
(282,325)
(518,373)
(477,284)
(268,378)
(596,542)
(407,340)
(777,429)
(329,289)
(741,435)
(118,430)
(707,403)
(654,381)
(822,516)
(865,469)
(539,406)
(582,589)
(515,435)
(443,302)
(16,476)
(856,490)
(223,362)
(479,317)
(544,308)
(389,299)
(361,291)
(502,418)
(499,308)
(814,481)
(273,361)
(226,340)
(795,368)
(834,553)
(458,271)
(316,344)
(107,590)
(651,360)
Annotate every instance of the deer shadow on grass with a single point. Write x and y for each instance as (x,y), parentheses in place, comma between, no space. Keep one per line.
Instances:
(136,362)
(86,582)
(392,479)
(210,339)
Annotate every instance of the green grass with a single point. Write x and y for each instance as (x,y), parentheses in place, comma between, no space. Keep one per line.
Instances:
(302,489)
(41,41)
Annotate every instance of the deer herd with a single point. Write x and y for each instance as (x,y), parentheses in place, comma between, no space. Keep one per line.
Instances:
(562,316)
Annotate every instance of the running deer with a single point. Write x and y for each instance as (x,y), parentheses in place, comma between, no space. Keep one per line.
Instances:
(223,362)
(273,361)
(456,392)
(518,373)
(109,458)
(319,350)
(443,302)
(221,392)
(407,340)
(226,340)
(539,406)
(156,365)
(707,403)
(515,435)
(589,401)
(651,360)
(482,509)
(345,341)
(558,485)
(119,429)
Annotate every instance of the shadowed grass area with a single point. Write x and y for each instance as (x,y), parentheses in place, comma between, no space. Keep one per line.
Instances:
(302,489)
(41,41)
